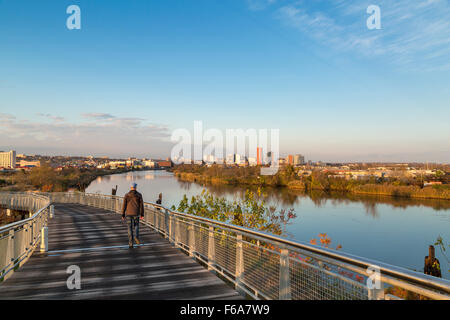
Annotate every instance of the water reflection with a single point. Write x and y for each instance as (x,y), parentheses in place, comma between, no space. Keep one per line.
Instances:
(288,198)
(282,197)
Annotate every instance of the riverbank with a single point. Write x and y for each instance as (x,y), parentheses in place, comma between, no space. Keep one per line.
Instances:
(46,179)
(394,189)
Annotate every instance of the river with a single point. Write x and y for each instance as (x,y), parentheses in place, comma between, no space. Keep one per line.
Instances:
(393,230)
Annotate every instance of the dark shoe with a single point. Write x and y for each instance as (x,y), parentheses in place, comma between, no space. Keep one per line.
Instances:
(130,245)
(137,241)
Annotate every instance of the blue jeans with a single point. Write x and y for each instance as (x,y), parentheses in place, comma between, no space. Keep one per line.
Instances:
(133,229)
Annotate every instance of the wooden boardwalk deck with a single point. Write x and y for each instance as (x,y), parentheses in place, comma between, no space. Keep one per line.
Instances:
(97,242)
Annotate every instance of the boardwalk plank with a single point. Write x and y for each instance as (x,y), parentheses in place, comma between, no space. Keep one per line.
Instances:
(156,270)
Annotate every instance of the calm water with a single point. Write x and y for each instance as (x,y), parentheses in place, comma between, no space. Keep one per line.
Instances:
(395,231)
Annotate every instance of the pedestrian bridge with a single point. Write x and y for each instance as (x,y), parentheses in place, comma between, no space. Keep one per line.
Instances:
(182,257)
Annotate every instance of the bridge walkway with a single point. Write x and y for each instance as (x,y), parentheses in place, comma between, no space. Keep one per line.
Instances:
(96,241)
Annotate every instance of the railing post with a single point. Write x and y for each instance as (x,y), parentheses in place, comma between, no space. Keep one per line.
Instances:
(285,285)
(239,261)
(211,249)
(166,224)
(177,230)
(10,249)
(44,239)
(146,214)
(191,237)
(26,241)
(170,228)
(32,233)
(52,211)
(376,294)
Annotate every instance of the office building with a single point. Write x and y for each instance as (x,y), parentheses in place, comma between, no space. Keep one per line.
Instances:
(290,159)
(8,159)
(25,163)
(259,156)
(299,160)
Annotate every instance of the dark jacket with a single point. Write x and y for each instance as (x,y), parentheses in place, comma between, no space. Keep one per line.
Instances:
(133,204)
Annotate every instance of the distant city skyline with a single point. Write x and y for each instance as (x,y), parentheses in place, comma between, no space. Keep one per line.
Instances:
(135,72)
(208,157)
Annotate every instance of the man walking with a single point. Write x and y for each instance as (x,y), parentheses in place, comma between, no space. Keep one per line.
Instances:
(133,209)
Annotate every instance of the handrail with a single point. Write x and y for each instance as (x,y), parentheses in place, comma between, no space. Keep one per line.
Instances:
(21,237)
(24,221)
(182,228)
(16,224)
(387,269)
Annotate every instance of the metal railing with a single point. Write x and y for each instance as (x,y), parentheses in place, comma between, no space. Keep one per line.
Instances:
(19,239)
(265,266)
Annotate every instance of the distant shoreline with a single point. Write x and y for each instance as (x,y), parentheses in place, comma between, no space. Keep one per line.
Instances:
(56,181)
(362,189)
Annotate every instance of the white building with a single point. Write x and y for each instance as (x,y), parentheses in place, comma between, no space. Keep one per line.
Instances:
(299,160)
(252,161)
(149,163)
(116,164)
(239,159)
(24,163)
(230,159)
(209,158)
(8,159)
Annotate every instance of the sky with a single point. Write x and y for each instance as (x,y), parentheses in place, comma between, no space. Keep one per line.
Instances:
(137,70)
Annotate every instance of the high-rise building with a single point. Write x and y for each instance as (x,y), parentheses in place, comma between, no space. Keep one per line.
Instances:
(290,159)
(259,156)
(299,160)
(8,159)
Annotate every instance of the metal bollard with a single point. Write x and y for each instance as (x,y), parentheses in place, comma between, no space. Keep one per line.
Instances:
(44,239)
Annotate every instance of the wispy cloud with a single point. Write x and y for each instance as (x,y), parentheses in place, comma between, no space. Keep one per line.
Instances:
(98,116)
(6,116)
(106,119)
(50,116)
(111,135)
(414,34)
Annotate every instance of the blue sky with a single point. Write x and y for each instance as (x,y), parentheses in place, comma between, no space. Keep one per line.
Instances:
(139,69)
